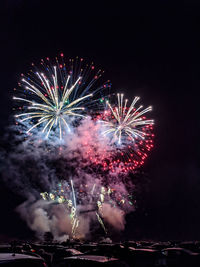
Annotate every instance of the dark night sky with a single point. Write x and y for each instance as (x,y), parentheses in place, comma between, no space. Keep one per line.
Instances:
(149,48)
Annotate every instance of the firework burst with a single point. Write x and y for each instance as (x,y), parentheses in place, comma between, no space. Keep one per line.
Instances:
(55,96)
(126,122)
(129,133)
(87,199)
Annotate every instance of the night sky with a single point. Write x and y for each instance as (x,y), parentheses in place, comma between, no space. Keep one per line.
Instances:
(150,49)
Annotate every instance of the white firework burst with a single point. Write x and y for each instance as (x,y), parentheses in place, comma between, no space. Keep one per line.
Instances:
(122,121)
(53,100)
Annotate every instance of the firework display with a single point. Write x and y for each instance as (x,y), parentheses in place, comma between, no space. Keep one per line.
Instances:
(57,95)
(109,139)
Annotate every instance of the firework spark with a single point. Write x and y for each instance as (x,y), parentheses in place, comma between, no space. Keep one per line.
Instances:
(101,222)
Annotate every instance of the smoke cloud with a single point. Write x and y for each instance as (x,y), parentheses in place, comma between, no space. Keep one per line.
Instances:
(33,165)
(114,216)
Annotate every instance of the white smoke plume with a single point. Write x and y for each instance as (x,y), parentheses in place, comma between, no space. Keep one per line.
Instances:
(114,216)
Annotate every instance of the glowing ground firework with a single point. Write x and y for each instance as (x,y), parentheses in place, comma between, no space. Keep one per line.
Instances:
(128,132)
(77,201)
(65,194)
(56,95)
